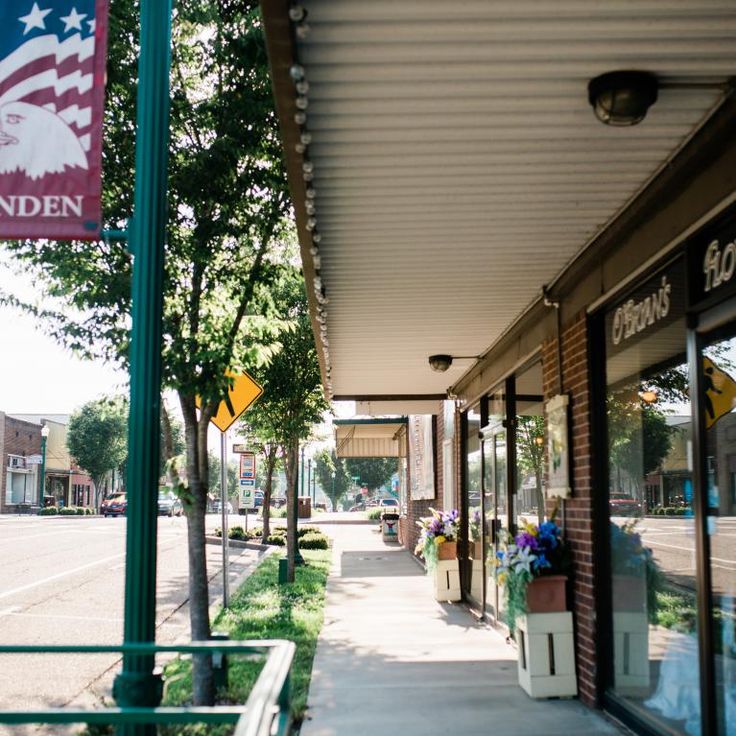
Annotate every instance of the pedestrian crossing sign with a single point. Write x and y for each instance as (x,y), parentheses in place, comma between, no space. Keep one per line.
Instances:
(720,392)
(243,392)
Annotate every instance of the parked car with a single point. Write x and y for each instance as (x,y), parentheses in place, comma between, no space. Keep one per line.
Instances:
(278,502)
(390,504)
(217,506)
(357,507)
(169,504)
(116,505)
(619,504)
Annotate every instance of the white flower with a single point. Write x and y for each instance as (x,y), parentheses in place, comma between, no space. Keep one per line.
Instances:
(523,561)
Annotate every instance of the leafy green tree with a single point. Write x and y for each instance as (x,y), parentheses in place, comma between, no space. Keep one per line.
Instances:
(97,438)
(292,400)
(374,472)
(530,451)
(260,426)
(228,225)
(639,437)
(332,475)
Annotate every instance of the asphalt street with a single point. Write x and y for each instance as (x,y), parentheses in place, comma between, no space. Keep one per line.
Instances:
(62,582)
(672,541)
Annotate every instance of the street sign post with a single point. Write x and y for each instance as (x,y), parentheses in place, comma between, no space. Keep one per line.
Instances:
(243,392)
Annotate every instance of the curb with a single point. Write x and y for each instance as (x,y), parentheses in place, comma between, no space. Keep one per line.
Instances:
(239,543)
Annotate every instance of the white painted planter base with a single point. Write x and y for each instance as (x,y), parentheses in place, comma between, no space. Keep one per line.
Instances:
(447,581)
(547,655)
(631,652)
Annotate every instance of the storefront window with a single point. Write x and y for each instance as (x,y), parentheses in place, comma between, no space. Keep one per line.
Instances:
(473,478)
(530,433)
(650,502)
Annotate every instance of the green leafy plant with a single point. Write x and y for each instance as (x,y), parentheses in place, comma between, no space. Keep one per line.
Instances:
(537,550)
(48,511)
(314,541)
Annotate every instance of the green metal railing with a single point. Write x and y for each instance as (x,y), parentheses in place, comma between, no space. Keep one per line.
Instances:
(267,712)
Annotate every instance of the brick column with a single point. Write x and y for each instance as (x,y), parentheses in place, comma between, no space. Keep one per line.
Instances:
(578,511)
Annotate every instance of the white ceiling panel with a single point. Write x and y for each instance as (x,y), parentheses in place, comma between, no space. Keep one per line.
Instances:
(458,166)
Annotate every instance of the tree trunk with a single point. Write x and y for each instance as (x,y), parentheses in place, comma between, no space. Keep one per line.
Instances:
(291,453)
(199,617)
(270,464)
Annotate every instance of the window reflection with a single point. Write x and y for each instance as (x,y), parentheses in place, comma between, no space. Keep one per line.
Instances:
(652,534)
(719,369)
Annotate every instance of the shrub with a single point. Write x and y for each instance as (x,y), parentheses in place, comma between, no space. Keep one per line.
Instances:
(314,541)
(302,530)
(68,511)
(374,514)
(89,512)
(278,513)
(81,511)
(669,511)
(48,511)
(277,540)
(237,532)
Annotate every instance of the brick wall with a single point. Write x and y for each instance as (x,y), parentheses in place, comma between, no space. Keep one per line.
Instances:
(19,438)
(578,515)
(408,529)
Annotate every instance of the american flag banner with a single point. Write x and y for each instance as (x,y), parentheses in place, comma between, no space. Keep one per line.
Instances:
(52,77)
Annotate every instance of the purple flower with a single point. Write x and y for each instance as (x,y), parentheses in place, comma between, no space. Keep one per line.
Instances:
(525,539)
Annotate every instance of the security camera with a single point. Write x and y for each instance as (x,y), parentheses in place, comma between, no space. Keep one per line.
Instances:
(440,363)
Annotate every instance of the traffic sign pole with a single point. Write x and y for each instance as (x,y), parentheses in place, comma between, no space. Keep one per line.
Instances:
(223,505)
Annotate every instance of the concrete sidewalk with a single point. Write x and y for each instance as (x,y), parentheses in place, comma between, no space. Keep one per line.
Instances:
(390,659)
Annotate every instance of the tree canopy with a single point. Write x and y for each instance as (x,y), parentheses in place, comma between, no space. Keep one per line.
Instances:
(373,472)
(97,437)
(332,475)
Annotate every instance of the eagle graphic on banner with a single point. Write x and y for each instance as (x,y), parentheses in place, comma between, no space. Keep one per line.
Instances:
(51,96)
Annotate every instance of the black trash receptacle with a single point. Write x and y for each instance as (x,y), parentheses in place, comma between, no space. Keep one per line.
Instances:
(390,526)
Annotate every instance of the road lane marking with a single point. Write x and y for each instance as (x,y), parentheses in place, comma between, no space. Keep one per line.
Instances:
(15,612)
(60,575)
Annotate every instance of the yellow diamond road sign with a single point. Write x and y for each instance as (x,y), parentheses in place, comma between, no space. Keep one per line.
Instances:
(243,392)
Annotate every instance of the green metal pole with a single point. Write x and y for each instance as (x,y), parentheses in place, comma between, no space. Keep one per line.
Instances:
(298,559)
(42,485)
(137,685)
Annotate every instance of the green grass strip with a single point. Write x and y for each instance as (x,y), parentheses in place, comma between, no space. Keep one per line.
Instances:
(263,609)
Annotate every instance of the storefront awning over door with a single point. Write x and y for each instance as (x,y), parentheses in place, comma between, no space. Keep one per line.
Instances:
(445,162)
(369,437)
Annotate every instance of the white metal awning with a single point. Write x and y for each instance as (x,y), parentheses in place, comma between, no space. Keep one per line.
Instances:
(458,166)
(368,437)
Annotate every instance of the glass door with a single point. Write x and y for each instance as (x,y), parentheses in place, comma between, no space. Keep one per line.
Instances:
(496,508)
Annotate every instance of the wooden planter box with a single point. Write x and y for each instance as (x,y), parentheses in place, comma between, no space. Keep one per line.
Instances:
(447,551)
(547,594)
(546,664)
(447,581)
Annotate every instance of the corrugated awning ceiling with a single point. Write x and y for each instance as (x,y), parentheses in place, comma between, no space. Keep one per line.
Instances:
(458,166)
(369,438)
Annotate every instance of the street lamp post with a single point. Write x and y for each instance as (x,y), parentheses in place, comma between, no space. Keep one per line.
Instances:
(45,431)
(333,489)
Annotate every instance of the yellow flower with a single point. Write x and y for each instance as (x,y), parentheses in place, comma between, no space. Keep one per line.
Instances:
(439,539)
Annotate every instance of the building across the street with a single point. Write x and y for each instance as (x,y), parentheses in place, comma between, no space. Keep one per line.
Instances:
(20,450)
(65,483)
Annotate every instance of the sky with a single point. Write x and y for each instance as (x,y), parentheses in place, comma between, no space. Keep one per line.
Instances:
(36,374)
